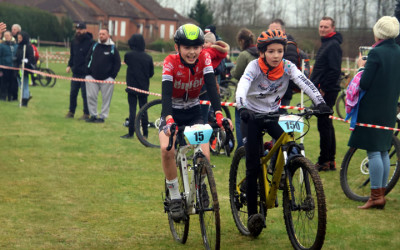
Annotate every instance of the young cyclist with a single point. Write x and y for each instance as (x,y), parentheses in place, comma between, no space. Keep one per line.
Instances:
(183,76)
(260,90)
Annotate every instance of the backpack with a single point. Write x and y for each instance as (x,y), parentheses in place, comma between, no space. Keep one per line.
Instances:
(353,92)
(302,55)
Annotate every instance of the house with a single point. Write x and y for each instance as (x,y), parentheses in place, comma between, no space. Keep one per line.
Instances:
(122,17)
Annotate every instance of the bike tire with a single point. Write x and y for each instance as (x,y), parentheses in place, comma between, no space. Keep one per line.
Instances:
(305,222)
(53,80)
(354,173)
(340,105)
(45,81)
(209,216)
(153,111)
(237,198)
(179,230)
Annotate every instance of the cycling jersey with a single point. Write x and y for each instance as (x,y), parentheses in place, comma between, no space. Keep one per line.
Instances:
(186,85)
(258,93)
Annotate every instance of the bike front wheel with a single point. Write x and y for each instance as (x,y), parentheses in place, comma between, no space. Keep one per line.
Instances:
(179,230)
(147,129)
(354,173)
(208,206)
(304,205)
(341,105)
(47,81)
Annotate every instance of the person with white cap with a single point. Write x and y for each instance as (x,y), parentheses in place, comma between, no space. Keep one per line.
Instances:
(380,81)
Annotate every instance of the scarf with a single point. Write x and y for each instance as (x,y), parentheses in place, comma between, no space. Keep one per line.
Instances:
(330,35)
(272,74)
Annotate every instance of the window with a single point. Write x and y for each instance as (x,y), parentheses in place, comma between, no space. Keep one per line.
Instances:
(116,28)
(141,28)
(162,31)
(123,28)
(151,30)
(171,31)
(110,27)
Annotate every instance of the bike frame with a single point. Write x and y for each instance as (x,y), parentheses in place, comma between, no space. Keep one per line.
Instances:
(281,161)
(190,185)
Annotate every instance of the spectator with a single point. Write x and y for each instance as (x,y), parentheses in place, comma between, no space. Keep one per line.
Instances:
(380,81)
(218,51)
(249,52)
(80,47)
(15,29)
(140,70)
(3,27)
(325,76)
(290,54)
(9,86)
(23,40)
(103,63)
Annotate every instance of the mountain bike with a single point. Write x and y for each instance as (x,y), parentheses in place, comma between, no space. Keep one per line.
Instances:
(153,111)
(286,168)
(44,81)
(354,172)
(340,105)
(198,191)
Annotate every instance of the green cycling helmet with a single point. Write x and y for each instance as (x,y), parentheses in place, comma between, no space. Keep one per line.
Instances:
(189,35)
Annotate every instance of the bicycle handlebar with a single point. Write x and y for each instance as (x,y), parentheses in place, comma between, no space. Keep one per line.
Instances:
(172,129)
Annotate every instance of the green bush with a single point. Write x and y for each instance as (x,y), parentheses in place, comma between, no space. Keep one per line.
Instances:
(160,45)
(36,22)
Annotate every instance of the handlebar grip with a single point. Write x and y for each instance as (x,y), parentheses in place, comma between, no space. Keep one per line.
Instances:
(172,129)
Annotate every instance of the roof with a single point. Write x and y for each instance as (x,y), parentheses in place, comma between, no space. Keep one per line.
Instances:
(157,10)
(75,9)
(119,8)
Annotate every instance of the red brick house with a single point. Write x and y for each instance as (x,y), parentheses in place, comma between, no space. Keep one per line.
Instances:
(122,17)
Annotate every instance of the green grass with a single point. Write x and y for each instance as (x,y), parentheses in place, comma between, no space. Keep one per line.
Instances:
(67,184)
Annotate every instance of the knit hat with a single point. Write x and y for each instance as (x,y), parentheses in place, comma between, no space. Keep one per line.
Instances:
(386,27)
(210,37)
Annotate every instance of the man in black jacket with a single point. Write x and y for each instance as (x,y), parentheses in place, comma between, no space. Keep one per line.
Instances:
(80,47)
(325,76)
(290,54)
(103,63)
(140,69)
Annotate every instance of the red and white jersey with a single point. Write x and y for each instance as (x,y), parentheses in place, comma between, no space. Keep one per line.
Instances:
(186,86)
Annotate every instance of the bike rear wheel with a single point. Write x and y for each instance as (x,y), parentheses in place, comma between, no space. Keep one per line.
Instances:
(341,105)
(237,192)
(46,81)
(304,205)
(179,230)
(354,173)
(208,206)
(152,110)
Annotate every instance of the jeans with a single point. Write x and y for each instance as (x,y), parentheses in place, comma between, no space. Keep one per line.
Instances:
(132,100)
(75,86)
(326,130)
(25,90)
(379,167)
(239,137)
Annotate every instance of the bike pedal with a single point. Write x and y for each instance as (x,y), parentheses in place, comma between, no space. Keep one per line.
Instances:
(212,166)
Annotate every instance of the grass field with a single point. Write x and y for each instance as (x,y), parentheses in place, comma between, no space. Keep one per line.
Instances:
(67,184)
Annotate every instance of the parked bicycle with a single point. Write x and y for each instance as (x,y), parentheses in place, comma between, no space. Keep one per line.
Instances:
(285,168)
(340,105)
(153,110)
(44,81)
(354,173)
(198,190)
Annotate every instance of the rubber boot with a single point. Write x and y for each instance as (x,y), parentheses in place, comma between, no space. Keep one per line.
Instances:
(376,200)
(383,190)
(25,102)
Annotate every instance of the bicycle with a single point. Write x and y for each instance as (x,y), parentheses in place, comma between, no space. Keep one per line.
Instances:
(153,110)
(354,172)
(196,193)
(340,105)
(222,140)
(304,205)
(44,81)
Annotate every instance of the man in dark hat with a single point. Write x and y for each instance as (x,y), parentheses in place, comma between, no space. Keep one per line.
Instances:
(80,47)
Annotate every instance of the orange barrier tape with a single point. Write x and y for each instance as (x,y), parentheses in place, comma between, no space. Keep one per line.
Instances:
(229,104)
